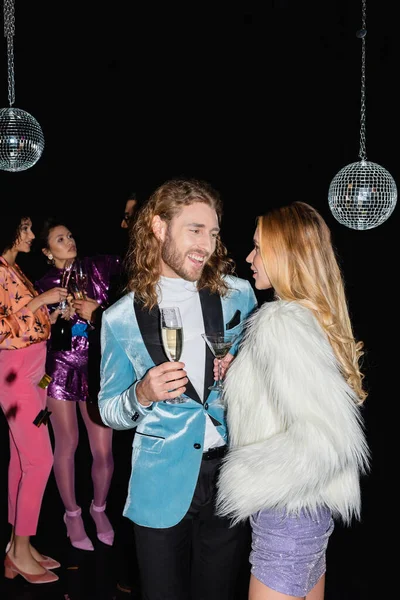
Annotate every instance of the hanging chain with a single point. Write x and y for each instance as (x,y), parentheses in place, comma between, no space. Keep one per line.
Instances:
(361,33)
(9,30)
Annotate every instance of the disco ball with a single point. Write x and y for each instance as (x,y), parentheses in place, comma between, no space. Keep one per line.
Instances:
(21,140)
(362,195)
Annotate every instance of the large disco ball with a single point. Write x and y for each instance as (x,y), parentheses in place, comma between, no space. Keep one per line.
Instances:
(362,195)
(21,140)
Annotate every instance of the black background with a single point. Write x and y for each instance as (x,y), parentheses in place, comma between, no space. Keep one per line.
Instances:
(262,100)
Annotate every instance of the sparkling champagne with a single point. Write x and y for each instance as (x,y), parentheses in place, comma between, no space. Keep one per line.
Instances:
(78,295)
(172,338)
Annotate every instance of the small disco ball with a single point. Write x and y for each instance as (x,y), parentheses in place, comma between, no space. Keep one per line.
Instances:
(362,195)
(21,140)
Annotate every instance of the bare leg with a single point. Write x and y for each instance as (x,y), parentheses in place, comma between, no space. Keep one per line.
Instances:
(100,440)
(259,591)
(21,555)
(64,421)
(318,591)
(11,545)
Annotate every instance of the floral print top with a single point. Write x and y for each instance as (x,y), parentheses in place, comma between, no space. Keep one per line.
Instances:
(19,326)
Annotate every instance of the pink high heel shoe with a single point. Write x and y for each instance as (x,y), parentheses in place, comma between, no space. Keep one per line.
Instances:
(108,536)
(84,544)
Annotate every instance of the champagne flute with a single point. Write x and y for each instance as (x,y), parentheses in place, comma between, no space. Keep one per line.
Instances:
(172,338)
(219,344)
(78,285)
(81,279)
(64,281)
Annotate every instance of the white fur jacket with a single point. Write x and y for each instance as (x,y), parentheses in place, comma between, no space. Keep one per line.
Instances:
(296,433)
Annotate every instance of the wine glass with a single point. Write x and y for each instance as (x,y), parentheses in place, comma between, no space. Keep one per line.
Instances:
(172,338)
(219,344)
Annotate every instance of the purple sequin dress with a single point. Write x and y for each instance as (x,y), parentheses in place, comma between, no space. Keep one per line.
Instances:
(288,552)
(69,369)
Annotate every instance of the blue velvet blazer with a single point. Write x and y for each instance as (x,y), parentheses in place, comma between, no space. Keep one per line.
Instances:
(168,444)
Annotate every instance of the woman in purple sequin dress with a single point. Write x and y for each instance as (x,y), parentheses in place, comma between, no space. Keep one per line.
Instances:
(293,397)
(71,386)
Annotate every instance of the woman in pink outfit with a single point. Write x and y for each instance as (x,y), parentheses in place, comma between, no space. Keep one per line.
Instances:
(24,329)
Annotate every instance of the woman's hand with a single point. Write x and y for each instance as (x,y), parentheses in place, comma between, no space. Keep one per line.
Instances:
(65,313)
(69,310)
(225,362)
(52,296)
(85,308)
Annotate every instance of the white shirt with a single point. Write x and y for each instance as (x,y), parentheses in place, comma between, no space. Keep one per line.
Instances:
(184,294)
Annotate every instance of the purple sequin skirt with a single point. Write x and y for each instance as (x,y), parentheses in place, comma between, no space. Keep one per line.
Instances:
(69,371)
(289,551)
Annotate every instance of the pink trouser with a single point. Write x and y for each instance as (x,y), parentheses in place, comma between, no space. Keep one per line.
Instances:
(31,456)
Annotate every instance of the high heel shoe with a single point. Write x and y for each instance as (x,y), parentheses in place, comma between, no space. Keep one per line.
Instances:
(84,544)
(47,562)
(11,571)
(108,536)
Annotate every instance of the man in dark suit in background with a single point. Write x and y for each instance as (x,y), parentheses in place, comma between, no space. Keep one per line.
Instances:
(130,208)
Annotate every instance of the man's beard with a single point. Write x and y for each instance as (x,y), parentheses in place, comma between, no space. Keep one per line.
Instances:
(175,260)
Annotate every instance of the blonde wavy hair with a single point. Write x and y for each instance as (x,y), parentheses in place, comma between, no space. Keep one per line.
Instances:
(300,261)
(143,258)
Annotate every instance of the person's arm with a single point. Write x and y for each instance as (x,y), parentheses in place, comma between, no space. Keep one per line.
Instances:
(88,310)
(125,400)
(118,403)
(51,296)
(15,321)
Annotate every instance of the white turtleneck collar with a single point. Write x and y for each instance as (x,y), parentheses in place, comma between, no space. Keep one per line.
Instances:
(175,287)
(184,294)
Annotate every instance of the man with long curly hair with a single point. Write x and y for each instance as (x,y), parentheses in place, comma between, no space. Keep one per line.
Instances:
(175,258)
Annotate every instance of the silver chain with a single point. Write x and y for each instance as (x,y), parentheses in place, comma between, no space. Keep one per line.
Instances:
(9,31)
(361,34)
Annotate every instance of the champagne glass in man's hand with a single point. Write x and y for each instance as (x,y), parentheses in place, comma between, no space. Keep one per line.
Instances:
(172,338)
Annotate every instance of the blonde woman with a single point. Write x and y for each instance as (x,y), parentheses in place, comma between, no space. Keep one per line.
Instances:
(293,398)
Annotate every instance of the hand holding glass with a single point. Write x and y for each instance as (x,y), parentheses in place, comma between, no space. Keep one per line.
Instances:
(219,344)
(64,280)
(172,338)
(78,286)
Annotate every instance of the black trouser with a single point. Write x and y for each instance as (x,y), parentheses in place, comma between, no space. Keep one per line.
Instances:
(200,558)
(127,570)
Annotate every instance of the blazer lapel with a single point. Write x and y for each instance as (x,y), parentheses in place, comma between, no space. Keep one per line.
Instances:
(213,318)
(149,325)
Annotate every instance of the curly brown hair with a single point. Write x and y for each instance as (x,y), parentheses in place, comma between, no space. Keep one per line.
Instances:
(143,259)
(10,230)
